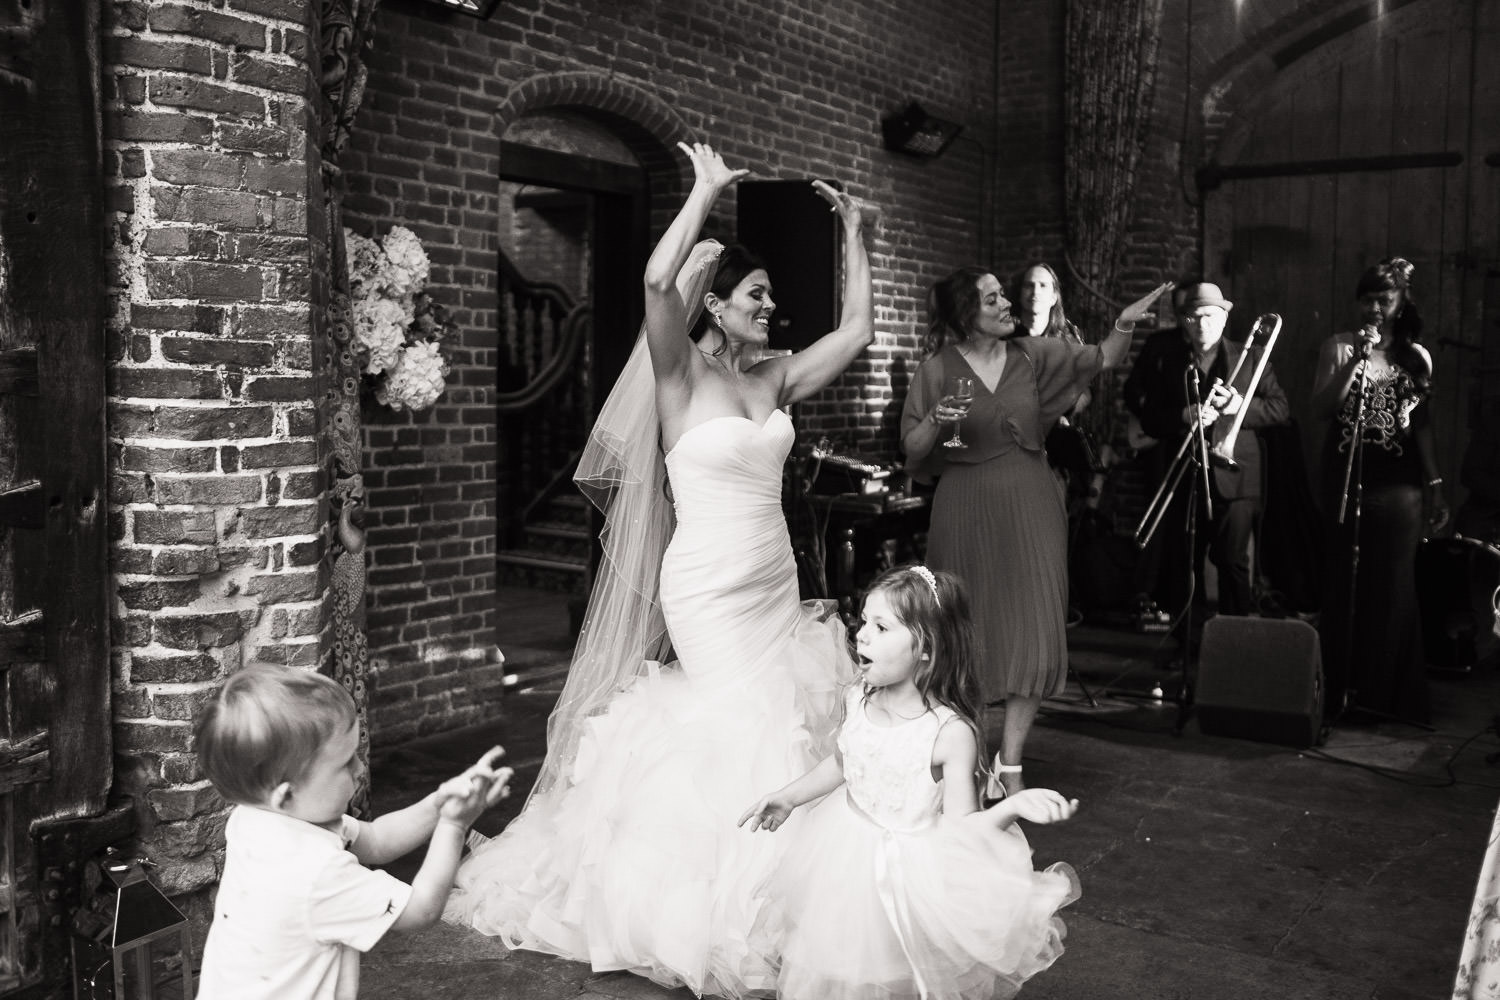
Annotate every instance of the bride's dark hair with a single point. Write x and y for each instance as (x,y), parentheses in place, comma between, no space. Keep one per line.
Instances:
(734,264)
(938,616)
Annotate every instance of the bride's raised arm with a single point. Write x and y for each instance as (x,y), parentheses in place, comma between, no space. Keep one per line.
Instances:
(666,315)
(812,369)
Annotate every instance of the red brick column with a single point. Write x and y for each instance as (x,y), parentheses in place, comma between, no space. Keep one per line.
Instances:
(217,506)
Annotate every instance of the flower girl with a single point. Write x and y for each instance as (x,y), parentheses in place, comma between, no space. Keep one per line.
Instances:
(897,885)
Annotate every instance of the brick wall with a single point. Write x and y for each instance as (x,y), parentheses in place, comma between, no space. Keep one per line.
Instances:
(216,504)
(786,89)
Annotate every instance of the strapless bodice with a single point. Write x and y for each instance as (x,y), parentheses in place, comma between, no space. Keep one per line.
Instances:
(727,471)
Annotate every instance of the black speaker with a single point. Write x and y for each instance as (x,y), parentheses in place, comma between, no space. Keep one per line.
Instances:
(789,225)
(1260,679)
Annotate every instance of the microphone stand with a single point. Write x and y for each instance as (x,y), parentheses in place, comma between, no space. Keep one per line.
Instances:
(1185,693)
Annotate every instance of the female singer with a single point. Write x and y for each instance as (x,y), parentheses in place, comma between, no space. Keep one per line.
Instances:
(1372,651)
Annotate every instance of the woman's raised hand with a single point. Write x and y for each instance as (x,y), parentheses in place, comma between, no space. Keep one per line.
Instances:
(1141,308)
(842,202)
(708,166)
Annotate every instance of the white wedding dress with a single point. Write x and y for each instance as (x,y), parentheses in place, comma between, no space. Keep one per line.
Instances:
(634,861)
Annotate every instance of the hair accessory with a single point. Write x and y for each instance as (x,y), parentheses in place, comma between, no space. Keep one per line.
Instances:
(926,574)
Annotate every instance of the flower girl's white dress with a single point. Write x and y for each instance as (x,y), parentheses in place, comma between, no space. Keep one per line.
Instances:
(877,897)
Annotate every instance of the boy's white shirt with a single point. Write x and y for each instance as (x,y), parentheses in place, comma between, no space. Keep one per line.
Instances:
(294,910)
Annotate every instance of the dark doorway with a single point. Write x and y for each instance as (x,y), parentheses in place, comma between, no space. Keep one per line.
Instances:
(573,242)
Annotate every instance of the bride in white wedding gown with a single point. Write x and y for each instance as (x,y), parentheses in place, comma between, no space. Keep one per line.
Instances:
(627,855)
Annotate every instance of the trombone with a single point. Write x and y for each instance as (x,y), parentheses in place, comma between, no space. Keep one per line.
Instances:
(1221,452)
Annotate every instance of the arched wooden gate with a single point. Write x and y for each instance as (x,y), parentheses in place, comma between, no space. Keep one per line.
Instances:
(1376,141)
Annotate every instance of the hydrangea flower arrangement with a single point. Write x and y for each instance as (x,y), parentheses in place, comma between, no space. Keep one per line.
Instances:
(400,332)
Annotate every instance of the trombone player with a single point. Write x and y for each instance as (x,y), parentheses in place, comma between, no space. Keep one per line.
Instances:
(1174,368)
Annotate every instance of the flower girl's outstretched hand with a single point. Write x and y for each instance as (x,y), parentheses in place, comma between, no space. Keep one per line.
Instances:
(767,814)
(1036,805)
(708,166)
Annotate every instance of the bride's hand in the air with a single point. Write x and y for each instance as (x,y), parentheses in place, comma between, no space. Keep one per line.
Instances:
(708,166)
(842,202)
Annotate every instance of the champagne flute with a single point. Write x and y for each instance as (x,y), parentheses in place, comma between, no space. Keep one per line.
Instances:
(960,395)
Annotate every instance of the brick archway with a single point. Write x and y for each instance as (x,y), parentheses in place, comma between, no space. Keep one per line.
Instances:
(648,126)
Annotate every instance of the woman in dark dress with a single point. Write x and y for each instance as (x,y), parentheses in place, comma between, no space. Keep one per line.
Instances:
(998,518)
(1375,662)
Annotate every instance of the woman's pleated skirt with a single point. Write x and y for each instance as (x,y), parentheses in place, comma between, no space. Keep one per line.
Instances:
(1002,526)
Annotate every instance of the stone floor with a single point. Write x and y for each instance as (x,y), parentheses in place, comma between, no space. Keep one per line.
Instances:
(1211,867)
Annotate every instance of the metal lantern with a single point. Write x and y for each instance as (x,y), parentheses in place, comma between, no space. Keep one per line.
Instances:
(113,940)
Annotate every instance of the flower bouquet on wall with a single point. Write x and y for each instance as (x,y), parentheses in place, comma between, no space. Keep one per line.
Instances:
(403,336)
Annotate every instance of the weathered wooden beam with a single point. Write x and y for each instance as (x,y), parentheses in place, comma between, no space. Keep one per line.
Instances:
(1212,175)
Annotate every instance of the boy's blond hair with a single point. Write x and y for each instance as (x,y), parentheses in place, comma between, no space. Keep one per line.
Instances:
(266,726)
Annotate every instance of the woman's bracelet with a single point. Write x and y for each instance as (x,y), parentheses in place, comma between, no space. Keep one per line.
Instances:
(1435,481)
(1126,326)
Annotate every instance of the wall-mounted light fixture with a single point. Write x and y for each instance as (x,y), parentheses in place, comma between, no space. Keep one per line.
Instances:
(914,131)
(481,9)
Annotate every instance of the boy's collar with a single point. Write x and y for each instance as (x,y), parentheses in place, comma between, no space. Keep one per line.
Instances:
(335,829)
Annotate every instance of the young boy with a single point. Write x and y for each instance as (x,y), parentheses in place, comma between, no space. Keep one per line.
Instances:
(296,905)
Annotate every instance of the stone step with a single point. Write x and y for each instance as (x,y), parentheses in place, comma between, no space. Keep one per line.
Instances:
(543,570)
(558,529)
(525,557)
(568,508)
(555,540)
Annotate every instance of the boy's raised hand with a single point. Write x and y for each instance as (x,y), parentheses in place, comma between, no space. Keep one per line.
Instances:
(464,797)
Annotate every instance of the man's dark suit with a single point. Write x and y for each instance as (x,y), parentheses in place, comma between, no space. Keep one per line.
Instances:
(1156,393)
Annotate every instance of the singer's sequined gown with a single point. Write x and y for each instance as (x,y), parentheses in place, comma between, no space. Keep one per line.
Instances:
(636,862)
(1384,668)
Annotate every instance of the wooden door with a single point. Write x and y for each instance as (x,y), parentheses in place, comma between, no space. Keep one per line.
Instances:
(1374,148)
(54,666)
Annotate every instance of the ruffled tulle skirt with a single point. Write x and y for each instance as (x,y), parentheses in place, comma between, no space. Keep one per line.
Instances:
(859,912)
(636,863)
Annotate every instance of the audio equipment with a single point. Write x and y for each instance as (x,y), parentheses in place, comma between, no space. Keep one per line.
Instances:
(837,474)
(1260,679)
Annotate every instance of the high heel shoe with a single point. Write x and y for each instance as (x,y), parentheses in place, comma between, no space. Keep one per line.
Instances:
(994,788)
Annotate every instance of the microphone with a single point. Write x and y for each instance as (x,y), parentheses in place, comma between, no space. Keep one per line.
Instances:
(1369,336)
